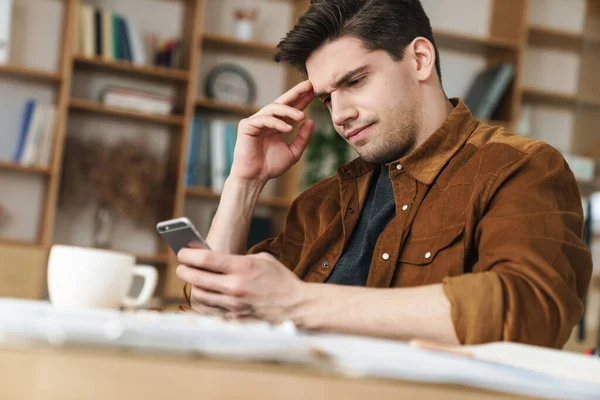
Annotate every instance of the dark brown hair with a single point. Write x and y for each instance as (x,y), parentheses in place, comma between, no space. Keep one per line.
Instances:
(388,25)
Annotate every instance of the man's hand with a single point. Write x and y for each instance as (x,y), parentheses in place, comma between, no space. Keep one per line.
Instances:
(255,285)
(261,153)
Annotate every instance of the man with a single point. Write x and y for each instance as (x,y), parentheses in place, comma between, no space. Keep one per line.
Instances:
(444,229)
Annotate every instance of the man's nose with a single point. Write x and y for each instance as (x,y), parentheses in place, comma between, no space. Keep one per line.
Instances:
(342,111)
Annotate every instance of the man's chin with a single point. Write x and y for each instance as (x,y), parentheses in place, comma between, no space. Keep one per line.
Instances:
(378,157)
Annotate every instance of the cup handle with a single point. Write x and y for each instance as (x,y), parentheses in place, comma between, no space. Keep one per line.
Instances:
(150,275)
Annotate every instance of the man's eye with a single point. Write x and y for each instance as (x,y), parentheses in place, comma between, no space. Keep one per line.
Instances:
(354,82)
(327,100)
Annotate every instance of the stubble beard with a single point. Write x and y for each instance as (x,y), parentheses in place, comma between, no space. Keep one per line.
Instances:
(389,144)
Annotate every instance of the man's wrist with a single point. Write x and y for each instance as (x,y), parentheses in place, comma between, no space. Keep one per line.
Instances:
(243,188)
(309,306)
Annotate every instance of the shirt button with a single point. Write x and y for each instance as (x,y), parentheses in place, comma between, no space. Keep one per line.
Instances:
(398,167)
(325,265)
(385,256)
(351,210)
(428,255)
(404,207)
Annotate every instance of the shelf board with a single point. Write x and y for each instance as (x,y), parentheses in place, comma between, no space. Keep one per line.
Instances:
(30,74)
(548,97)
(215,105)
(206,193)
(544,36)
(18,242)
(125,67)
(152,259)
(95,107)
(254,48)
(27,169)
(472,43)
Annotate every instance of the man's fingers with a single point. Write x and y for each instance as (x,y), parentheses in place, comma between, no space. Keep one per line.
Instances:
(300,142)
(208,260)
(295,93)
(303,101)
(282,111)
(218,300)
(258,123)
(212,281)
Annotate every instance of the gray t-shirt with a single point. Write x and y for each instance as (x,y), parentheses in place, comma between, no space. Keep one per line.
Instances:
(353,266)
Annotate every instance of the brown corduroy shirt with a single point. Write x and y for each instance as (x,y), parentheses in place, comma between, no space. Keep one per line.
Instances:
(497,218)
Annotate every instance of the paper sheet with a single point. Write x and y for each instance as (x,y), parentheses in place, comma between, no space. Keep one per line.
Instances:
(23,321)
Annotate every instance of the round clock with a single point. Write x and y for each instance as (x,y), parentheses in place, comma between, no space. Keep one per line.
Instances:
(230,83)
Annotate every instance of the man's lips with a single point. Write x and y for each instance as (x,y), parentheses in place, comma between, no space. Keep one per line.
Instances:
(356,131)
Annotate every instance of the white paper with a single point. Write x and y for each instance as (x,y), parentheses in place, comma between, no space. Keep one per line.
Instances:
(25,322)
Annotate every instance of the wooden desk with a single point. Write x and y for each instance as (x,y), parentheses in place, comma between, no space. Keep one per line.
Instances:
(53,374)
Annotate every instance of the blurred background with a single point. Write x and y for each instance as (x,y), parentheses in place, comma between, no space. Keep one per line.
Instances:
(115,115)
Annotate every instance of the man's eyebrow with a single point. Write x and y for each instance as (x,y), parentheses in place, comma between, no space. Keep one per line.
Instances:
(347,76)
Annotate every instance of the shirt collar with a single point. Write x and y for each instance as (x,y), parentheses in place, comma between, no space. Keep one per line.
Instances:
(426,161)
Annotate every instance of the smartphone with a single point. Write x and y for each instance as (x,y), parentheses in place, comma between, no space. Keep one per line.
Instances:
(180,233)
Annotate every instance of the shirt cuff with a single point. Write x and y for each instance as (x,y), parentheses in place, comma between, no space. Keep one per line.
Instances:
(477,307)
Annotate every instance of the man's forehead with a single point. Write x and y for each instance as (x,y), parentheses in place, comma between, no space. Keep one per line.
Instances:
(334,60)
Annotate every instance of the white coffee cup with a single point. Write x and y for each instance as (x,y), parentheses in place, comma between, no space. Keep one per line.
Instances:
(86,277)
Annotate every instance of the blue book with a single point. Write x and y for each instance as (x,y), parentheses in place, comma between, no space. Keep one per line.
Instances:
(25,124)
(190,178)
(230,137)
(126,42)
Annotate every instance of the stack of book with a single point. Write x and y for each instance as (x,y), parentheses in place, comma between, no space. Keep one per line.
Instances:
(37,132)
(109,36)
(210,153)
(138,100)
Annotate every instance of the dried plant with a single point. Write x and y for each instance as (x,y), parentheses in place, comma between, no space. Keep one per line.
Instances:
(125,178)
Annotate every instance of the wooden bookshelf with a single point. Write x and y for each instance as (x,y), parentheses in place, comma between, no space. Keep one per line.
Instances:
(17,242)
(548,97)
(472,43)
(544,36)
(220,106)
(156,259)
(25,169)
(553,98)
(98,108)
(215,41)
(29,74)
(209,194)
(128,68)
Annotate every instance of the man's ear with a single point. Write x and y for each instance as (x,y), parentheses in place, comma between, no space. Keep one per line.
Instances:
(423,54)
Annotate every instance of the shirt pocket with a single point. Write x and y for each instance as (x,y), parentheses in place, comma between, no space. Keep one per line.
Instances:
(430,260)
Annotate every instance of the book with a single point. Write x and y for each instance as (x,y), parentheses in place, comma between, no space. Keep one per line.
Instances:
(139,100)
(5,29)
(86,31)
(203,168)
(107,36)
(138,52)
(192,162)
(218,164)
(98,32)
(487,89)
(25,123)
(34,136)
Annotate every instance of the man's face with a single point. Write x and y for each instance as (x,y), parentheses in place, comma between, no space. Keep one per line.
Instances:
(373,100)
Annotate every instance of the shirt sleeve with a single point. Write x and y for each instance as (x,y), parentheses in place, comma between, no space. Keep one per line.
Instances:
(287,246)
(533,266)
